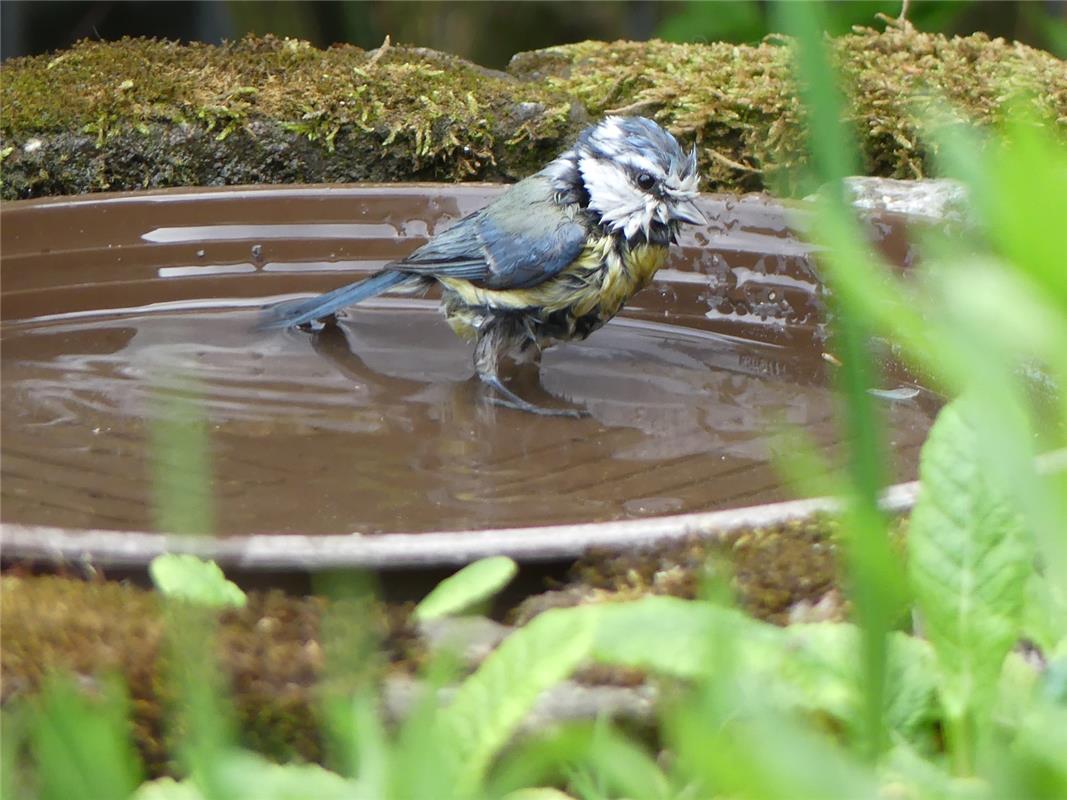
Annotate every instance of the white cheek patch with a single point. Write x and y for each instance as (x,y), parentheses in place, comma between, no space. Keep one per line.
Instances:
(620,204)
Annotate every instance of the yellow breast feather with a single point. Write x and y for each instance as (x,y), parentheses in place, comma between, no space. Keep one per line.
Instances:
(604,279)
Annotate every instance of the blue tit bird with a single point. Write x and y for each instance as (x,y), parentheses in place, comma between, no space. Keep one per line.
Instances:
(553,258)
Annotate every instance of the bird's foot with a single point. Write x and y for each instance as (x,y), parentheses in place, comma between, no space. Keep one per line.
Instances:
(522,405)
(508,399)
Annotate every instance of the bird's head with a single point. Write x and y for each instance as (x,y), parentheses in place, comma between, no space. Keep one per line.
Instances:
(636,176)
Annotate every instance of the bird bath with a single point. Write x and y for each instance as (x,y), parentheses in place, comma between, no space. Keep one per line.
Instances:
(368,443)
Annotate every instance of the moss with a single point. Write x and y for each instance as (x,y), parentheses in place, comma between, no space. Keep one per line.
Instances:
(141,113)
(219,115)
(774,571)
(89,630)
(779,569)
(270,652)
(740,102)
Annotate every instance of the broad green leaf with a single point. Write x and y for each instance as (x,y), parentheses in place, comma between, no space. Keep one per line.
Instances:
(812,668)
(763,754)
(424,757)
(243,775)
(246,776)
(620,766)
(81,746)
(472,584)
(815,669)
(968,562)
(911,687)
(1019,682)
(541,793)
(168,789)
(667,635)
(1036,767)
(491,703)
(186,577)
(905,767)
(1043,621)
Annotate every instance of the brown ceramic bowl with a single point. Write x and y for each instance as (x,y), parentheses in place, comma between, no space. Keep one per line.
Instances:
(368,443)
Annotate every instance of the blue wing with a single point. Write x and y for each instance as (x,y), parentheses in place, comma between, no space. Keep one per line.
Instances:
(518,241)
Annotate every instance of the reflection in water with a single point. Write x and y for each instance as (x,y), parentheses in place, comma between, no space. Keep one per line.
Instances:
(377,424)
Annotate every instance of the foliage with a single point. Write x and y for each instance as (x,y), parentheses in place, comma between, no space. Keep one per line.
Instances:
(84,740)
(468,587)
(491,703)
(969,557)
(186,577)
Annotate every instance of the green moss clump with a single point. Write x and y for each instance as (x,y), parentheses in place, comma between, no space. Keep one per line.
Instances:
(141,114)
(780,570)
(740,102)
(778,573)
(87,629)
(270,652)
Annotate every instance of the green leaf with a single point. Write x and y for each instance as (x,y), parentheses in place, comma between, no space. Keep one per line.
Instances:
(186,577)
(491,703)
(760,753)
(968,561)
(471,585)
(541,793)
(617,764)
(905,766)
(246,776)
(817,671)
(81,746)
(667,635)
(812,668)
(168,789)
(1043,620)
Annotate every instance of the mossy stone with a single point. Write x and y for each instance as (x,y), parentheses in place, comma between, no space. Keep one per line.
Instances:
(141,113)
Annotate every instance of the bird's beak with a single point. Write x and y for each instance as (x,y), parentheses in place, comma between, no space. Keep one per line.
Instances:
(687,211)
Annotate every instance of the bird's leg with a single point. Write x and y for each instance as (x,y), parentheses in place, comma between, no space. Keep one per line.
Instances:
(493,341)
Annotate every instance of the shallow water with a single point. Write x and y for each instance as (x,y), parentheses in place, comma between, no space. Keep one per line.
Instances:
(376,425)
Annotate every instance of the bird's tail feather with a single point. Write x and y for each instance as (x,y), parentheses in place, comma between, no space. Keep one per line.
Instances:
(290,313)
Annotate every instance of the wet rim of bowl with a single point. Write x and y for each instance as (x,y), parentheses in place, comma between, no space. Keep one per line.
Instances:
(396,550)
(311,553)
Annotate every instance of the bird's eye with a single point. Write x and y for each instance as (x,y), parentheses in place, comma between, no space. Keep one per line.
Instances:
(645,181)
